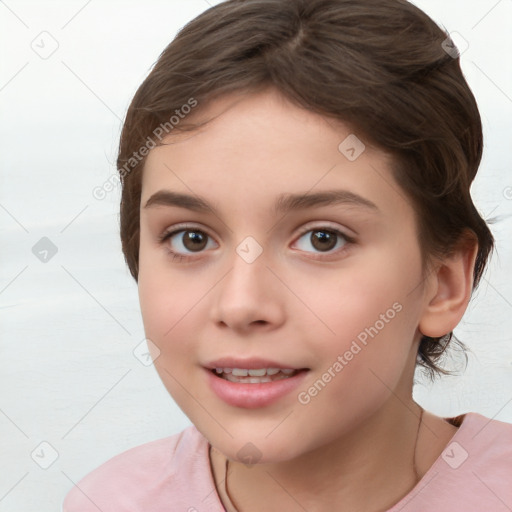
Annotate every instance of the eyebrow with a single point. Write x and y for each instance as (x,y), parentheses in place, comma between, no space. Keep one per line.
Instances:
(284,203)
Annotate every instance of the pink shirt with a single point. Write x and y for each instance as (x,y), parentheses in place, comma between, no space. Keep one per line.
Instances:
(473,474)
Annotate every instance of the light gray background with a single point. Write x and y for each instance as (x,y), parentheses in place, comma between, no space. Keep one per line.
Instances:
(69,326)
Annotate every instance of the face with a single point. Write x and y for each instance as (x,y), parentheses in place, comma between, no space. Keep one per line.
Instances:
(270,240)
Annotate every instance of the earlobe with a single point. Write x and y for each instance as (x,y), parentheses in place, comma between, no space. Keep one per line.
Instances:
(452,284)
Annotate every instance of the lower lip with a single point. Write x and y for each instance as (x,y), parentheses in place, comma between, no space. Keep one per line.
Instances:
(253,396)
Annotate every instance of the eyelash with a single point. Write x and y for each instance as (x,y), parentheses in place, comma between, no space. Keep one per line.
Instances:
(166,235)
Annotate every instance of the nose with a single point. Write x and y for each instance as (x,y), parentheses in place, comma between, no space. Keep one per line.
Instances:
(249,297)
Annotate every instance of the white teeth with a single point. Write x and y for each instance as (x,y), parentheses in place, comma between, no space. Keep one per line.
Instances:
(255,375)
(255,372)
(223,370)
(257,380)
(253,380)
(258,373)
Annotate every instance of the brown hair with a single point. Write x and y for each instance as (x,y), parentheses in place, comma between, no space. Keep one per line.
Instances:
(382,67)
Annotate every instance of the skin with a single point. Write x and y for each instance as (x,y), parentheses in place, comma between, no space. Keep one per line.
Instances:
(295,304)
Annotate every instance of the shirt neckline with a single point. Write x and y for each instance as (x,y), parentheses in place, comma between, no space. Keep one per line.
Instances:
(457,421)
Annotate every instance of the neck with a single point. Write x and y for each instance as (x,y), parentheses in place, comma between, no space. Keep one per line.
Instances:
(379,455)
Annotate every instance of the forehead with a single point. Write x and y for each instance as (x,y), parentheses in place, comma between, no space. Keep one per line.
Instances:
(256,147)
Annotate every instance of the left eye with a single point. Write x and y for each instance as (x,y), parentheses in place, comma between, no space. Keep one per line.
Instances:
(323,240)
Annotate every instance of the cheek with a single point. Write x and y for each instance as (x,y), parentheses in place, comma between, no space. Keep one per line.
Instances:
(368,317)
(162,302)
(165,306)
(359,365)
(167,325)
(171,304)
(162,296)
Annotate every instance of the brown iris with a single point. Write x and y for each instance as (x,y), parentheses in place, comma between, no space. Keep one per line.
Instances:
(194,240)
(323,240)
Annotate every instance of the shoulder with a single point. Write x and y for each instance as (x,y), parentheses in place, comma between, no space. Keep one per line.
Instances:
(472,473)
(478,462)
(487,442)
(479,458)
(148,477)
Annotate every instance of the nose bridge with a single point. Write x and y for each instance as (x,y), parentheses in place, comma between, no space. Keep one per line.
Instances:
(245,295)
(247,275)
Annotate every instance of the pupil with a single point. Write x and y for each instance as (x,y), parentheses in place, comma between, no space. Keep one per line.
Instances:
(323,240)
(194,240)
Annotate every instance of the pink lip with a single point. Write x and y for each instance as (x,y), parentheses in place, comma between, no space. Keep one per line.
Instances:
(249,364)
(252,396)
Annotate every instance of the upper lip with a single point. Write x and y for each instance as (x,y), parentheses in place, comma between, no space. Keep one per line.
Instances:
(249,364)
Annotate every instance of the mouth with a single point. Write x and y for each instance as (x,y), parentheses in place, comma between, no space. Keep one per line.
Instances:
(262,384)
(255,375)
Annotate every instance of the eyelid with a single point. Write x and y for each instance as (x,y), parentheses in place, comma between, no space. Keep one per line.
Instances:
(304,229)
(184,226)
(350,236)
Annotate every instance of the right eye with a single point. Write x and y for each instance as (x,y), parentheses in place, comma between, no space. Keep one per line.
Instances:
(183,243)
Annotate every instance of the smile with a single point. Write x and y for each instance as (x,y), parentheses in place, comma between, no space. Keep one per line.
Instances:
(254,376)
(252,388)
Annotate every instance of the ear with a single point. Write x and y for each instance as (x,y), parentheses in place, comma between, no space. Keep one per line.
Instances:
(449,289)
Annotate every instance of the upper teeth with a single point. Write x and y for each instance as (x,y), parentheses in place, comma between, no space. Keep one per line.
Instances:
(259,372)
